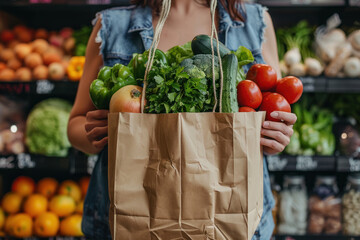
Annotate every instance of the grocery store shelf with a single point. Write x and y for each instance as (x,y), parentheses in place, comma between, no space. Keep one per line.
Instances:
(75,163)
(41,87)
(315,237)
(287,163)
(301,163)
(331,85)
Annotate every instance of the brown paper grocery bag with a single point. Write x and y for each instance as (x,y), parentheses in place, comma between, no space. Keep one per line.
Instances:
(185,175)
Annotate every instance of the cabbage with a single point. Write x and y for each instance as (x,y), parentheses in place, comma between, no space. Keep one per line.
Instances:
(46,128)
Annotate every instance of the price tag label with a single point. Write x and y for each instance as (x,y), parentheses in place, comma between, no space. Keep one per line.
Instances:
(308,83)
(24,161)
(275,163)
(304,163)
(44,87)
(91,161)
(301,2)
(7,162)
(354,165)
(14,88)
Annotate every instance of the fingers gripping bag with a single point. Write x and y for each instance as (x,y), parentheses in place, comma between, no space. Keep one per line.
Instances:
(185,175)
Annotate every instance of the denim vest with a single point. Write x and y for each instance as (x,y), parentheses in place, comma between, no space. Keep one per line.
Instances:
(128,30)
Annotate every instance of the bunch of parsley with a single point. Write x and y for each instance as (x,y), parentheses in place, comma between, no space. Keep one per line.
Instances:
(170,90)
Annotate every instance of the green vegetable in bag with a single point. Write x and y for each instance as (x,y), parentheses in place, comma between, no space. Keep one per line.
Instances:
(108,82)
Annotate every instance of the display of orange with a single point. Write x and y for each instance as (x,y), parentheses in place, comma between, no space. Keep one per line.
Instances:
(84,185)
(80,207)
(70,188)
(11,202)
(46,224)
(8,224)
(2,218)
(62,205)
(23,185)
(71,226)
(21,226)
(35,204)
(47,187)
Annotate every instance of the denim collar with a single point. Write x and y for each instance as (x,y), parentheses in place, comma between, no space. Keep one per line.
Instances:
(141,19)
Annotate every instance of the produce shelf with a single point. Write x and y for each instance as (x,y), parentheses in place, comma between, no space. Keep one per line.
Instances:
(40,87)
(75,163)
(315,237)
(331,85)
(278,163)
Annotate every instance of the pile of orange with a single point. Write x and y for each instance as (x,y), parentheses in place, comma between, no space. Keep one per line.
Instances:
(44,209)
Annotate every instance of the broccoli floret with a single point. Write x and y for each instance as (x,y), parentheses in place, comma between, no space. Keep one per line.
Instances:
(200,66)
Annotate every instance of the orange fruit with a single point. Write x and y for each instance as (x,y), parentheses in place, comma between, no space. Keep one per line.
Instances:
(62,205)
(46,224)
(71,226)
(84,185)
(2,218)
(71,189)
(21,226)
(35,204)
(8,224)
(11,202)
(80,207)
(47,187)
(23,186)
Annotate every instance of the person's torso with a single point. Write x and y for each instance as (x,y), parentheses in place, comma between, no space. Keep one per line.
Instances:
(129,30)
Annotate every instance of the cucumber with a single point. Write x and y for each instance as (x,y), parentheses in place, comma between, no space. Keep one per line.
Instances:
(229,95)
(201,44)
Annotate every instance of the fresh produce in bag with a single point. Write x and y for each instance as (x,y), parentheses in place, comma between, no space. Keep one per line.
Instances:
(325,207)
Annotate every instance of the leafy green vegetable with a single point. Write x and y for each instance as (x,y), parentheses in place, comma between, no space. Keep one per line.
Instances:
(244,56)
(46,128)
(294,147)
(172,90)
(178,53)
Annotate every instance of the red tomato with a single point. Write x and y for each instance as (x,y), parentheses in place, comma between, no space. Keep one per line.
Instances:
(249,94)
(246,109)
(263,75)
(291,88)
(264,94)
(274,102)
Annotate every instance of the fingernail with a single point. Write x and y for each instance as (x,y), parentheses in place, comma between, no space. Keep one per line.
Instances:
(266,124)
(274,114)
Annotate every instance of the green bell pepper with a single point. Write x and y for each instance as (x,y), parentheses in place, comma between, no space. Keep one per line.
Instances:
(109,80)
(121,76)
(139,62)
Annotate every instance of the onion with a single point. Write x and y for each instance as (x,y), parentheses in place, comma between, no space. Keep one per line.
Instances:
(298,70)
(292,57)
(335,36)
(352,67)
(313,66)
(126,99)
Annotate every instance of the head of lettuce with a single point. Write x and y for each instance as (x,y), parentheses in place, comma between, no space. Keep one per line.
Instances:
(46,128)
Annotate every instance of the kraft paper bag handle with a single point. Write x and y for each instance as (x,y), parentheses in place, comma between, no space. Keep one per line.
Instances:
(165,9)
